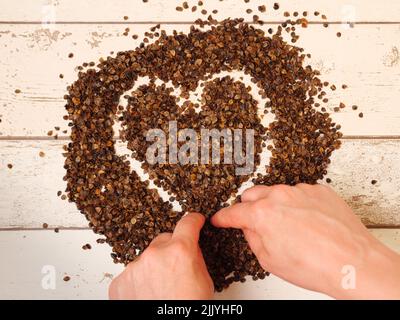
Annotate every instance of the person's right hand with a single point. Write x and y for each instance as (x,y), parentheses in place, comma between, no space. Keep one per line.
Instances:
(172,267)
(308,236)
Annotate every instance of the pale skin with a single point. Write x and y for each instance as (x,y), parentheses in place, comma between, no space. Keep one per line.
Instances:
(305,235)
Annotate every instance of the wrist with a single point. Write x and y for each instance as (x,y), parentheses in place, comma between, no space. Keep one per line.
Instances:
(376,276)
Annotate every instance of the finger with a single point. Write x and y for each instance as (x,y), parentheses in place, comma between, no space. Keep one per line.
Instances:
(257,247)
(239,216)
(188,228)
(161,238)
(307,188)
(255,242)
(113,289)
(255,193)
(118,288)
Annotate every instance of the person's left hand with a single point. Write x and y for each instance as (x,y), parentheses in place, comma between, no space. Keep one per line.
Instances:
(172,267)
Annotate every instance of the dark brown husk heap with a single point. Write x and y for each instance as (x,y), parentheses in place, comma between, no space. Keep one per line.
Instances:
(121,207)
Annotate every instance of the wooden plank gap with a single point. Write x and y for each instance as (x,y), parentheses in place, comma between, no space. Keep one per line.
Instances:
(383,227)
(44,229)
(188,22)
(67,138)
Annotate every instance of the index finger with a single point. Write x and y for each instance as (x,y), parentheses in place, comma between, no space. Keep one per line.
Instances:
(256,193)
(239,216)
(188,228)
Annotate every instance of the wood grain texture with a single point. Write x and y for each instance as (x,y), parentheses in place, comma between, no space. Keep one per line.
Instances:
(35,56)
(28,252)
(164,10)
(28,192)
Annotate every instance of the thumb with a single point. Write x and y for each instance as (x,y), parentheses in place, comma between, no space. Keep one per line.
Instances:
(188,228)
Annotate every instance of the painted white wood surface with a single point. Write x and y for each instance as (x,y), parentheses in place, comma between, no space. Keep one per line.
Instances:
(28,192)
(164,10)
(33,57)
(28,252)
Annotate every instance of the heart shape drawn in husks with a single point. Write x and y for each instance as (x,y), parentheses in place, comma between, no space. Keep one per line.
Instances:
(200,153)
(116,193)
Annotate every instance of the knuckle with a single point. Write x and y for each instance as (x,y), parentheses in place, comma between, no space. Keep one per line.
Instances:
(113,290)
(149,253)
(255,207)
(275,210)
(130,268)
(313,191)
(254,189)
(259,207)
(180,247)
(281,188)
(327,188)
(322,188)
(246,195)
(266,211)
(304,186)
(304,189)
(282,191)
(164,235)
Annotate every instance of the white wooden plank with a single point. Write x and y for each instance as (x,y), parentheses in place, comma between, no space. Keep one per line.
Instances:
(28,252)
(162,10)
(352,170)
(365,58)
(28,191)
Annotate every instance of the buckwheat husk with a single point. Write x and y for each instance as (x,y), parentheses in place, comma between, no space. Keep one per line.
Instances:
(227,104)
(121,207)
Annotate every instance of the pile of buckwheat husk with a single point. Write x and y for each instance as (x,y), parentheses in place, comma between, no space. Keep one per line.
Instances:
(114,199)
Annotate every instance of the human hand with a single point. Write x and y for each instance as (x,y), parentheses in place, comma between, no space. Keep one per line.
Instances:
(172,267)
(307,234)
